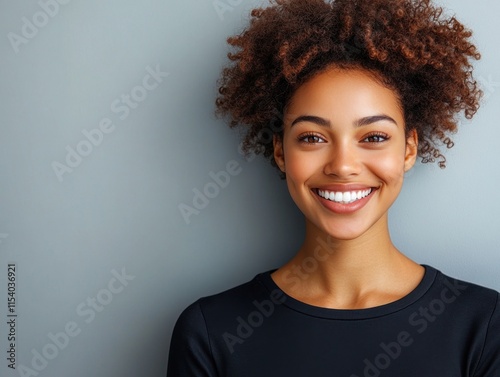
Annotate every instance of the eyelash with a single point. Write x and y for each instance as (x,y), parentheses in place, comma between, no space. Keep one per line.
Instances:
(379,135)
(302,138)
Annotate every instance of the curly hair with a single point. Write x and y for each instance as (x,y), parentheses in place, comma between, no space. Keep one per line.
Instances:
(417,51)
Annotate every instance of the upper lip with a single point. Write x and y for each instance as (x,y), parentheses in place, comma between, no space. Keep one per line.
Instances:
(344,187)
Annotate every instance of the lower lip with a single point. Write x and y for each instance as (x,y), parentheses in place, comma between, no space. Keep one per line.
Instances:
(344,208)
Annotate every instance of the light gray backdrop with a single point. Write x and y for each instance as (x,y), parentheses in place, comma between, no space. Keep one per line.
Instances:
(108,132)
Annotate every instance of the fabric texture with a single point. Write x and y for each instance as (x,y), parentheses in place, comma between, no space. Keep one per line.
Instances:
(443,328)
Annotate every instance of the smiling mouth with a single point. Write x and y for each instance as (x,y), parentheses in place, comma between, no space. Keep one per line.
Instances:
(344,197)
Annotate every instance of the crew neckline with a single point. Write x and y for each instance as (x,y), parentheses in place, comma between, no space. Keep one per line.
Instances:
(350,314)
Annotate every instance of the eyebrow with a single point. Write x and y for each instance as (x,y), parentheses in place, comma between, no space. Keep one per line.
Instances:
(365,121)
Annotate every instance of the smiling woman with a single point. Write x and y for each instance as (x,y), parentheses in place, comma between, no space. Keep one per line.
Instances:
(356,91)
(344,134)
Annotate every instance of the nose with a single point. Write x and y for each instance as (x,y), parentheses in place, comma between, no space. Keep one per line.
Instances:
(343,161)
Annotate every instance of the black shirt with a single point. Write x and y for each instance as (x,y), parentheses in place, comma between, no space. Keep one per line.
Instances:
(443,328)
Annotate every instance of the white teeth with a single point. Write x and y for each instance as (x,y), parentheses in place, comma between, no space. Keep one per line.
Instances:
(347,197)
(344,197)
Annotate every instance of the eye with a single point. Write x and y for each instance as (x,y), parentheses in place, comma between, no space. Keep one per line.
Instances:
(310,138)
(376,137)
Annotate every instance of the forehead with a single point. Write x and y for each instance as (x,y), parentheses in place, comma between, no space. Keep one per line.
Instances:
(344,92)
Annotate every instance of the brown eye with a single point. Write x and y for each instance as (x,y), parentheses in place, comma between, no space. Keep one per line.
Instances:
(376,138)
(311,139)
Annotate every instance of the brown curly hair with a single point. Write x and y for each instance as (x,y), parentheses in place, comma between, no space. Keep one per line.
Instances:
(421,54)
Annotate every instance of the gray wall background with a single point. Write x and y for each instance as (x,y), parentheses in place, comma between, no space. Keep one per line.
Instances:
(117,211)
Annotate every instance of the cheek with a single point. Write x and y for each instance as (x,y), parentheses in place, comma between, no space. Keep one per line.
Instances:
(388,166)
(296,169)
(299,168)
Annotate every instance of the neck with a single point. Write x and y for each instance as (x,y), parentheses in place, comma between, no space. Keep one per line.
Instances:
(362,272)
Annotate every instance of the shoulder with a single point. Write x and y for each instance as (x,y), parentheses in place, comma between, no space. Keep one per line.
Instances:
(223,306)
(477,298)
(475,310)
(192,351)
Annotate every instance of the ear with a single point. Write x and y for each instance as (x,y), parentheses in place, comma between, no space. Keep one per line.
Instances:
(279,153)
(411,149)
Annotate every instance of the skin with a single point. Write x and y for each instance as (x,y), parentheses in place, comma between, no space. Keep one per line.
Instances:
(343,128)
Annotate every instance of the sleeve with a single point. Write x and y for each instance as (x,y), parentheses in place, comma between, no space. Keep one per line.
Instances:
(489,365)
(190,352)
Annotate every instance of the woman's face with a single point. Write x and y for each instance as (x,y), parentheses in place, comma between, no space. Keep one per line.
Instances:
(344,151)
